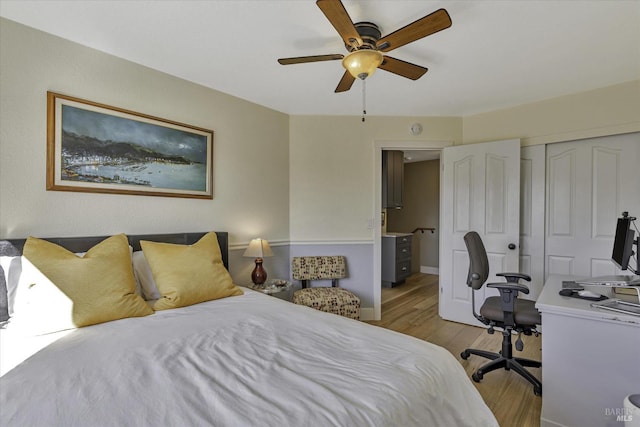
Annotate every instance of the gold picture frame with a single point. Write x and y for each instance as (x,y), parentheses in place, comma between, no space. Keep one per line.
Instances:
(97,148)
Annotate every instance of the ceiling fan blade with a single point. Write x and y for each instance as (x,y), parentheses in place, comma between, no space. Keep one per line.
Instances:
(402,68)
(314,58)
(432,23)
(336,14)
(345,82)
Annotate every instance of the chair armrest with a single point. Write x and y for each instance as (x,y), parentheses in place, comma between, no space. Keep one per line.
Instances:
(513,277)
(508,296)
(509,285)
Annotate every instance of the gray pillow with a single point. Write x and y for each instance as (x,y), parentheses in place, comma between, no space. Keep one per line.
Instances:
(4,299)
(10,270)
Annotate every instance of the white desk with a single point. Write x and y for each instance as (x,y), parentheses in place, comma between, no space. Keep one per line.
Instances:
(590,359)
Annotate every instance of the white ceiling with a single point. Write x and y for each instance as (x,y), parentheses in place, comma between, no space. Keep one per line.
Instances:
(497,54)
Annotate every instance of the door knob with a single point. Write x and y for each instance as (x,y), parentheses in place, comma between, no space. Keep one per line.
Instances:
(512,246)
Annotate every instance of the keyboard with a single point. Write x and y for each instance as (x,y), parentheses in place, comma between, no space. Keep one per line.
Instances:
(619,280)
(570,284)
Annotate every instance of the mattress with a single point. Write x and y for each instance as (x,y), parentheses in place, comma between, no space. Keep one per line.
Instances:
(249,360)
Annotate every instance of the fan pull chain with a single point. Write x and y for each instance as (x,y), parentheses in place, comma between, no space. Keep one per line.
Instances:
(364,98)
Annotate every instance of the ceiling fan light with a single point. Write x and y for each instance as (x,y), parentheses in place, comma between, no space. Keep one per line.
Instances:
(362,63)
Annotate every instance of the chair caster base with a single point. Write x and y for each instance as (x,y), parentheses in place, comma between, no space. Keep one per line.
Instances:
(499,361)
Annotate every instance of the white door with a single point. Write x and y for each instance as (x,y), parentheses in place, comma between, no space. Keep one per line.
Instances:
(589,184)
(532,179)
(480,192)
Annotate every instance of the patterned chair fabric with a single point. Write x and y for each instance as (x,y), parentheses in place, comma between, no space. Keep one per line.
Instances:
(318,267)
(331,300)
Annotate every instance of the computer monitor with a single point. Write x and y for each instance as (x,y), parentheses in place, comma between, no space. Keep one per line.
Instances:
(623,243)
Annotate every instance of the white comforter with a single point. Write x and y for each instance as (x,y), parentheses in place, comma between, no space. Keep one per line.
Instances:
(250,360)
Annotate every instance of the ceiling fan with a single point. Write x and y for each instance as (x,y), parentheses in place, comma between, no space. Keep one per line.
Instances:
(365,45)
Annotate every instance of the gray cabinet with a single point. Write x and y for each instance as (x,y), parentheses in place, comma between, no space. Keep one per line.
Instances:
(392,178)
(396,258)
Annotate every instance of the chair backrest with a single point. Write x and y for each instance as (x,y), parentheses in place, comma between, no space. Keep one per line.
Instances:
(478,261)
(307,268)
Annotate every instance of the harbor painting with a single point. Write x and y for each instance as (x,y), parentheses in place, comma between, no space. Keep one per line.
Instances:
(97,148)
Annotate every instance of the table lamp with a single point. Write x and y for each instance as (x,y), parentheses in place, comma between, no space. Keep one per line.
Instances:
(258,248)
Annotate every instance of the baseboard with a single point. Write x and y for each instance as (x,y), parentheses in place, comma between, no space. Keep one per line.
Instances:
(367,314)
(429,270)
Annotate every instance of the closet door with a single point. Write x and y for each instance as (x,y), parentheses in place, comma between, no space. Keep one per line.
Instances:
(532,177)
(589,183)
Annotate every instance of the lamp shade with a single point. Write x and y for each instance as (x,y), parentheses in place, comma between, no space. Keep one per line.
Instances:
(362,63)
(258,248)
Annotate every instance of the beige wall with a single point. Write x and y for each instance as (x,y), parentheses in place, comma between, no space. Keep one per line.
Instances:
(332,170)
(313,180)
(605,111)
(251,147)
(305,179)
(332,166)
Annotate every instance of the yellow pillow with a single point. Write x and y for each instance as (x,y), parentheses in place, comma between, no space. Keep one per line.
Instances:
(188,274)
(100,285)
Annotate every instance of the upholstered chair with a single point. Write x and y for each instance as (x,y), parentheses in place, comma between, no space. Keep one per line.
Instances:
(329,299)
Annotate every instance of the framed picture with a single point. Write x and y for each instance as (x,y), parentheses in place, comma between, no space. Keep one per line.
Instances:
(97,148)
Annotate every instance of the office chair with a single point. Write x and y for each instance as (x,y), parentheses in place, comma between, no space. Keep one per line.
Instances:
(505,311)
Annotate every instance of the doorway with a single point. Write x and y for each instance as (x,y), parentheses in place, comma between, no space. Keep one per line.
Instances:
(420,214)
(542,193)
(410,147)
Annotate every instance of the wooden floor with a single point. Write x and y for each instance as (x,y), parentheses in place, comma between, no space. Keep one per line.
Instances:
(412,308)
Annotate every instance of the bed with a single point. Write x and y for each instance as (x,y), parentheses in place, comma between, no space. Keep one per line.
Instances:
(243,360)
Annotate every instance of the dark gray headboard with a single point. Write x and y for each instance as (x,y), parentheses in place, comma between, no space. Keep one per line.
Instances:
(13,247)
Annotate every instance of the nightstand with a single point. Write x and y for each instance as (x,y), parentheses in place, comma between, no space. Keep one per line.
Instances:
(278,288)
